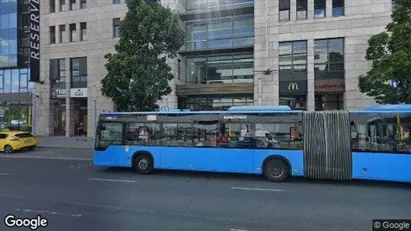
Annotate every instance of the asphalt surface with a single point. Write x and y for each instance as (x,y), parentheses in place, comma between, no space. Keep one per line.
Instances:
(62,186)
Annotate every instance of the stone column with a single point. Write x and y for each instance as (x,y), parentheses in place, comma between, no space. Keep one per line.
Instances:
(57,2)
(310,9)
(310,76)
(293,10)
(329,8)
(68,101)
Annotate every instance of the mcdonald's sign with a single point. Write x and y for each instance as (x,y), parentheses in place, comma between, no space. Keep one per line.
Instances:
(293,86)
(296,86)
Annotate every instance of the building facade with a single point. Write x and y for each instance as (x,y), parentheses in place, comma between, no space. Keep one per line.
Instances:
(304,53)
(15,88)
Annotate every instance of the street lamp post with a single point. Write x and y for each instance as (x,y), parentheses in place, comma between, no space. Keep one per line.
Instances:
(34,111)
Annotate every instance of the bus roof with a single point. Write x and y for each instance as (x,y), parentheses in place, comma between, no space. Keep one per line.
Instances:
(260,108)
(232,111)
(389,108)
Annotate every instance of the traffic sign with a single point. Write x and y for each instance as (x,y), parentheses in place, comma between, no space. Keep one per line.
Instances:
(165,109)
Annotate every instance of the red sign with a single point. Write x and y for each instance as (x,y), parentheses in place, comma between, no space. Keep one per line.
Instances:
(329,85)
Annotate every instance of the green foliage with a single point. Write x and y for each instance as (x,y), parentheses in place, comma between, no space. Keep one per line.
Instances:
(149,34)
(390,54)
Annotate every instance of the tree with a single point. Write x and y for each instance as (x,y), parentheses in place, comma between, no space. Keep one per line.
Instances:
(389,79)
(137,74)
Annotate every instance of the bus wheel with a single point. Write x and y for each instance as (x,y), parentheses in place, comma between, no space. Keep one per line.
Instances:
(276,170)
(143,164)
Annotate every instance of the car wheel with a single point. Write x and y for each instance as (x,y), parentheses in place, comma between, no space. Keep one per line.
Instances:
(143,164)
(8,149)
(276,170)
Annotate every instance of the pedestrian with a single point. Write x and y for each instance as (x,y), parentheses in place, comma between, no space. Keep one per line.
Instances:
(80,129)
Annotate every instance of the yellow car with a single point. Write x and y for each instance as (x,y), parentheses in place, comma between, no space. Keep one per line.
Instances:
(16,140)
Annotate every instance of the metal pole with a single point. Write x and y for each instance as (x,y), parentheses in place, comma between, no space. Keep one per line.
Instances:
(33,109)
(95,118)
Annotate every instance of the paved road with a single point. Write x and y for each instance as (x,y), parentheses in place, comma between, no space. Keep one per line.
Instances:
(73,195)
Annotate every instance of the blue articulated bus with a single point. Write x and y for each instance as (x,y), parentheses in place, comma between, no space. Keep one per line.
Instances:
(277,142)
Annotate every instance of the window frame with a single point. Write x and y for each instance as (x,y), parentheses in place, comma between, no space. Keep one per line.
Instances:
(83,31)
(306,10)
(324,9)
(73,31)
(116,25)
(334,7)
(328,64)
(292,55)
(280,10)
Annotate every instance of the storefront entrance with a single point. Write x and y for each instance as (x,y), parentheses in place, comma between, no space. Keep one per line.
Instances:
(80,115)
(60,117)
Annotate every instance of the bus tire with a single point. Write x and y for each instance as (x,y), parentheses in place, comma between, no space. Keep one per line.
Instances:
(143,164)
(276,170)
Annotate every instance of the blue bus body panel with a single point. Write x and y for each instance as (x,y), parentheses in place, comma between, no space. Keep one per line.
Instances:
(382,166)
(113,156)
(200,159)
(224,160)
(294,157)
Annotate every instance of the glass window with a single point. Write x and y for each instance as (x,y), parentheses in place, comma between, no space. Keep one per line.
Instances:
(179,69)
(196,70)
(205,130)
(110,134)
(319,8)
(204,4)
(23,80)
(73,4)
(83,4)
(381,133)
(1,81)
(63,34)
(279,136)
(78,70)
(62,5)
(302,7)
(329,102)
(329,58)
(52,34)
(176,134)
(73,32)
(220,69)
(243,69)
(7,81)
(338,8)
(83,31)
(293,60)
(143,134)
(116,1)
(214,103)
(235,135)
(116,27)
(15,78)
(52,6)
(284,14)
(394,4)
(220,33)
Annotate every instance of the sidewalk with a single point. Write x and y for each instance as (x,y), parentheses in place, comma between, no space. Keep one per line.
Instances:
(64,142)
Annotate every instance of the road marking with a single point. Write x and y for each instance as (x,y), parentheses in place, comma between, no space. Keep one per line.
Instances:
(48,158)
(49,212)
(5,174)
(238,230)
(112,180)
(258,189)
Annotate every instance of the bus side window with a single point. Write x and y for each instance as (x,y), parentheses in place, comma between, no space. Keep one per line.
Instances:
(135,134)
(236,135)
(110,134)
